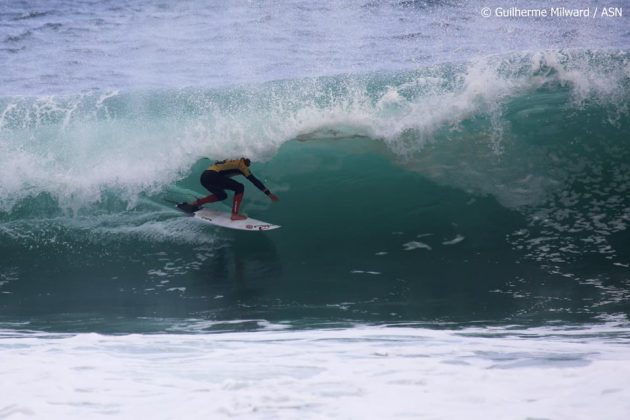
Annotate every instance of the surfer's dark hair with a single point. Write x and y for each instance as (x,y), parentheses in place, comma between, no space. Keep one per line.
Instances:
(247,161)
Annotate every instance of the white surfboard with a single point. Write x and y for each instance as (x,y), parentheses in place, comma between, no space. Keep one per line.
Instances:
(222,219)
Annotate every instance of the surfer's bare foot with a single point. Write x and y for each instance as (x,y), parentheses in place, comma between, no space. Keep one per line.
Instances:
(238,217)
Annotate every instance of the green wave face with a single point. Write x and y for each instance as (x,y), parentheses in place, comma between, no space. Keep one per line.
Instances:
(496,189)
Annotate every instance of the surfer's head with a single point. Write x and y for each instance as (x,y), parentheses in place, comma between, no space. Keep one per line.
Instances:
(247,161)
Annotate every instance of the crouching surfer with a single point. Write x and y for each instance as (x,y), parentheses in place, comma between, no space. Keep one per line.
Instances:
(218,178)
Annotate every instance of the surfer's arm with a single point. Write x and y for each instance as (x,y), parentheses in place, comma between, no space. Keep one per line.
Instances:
(261,186)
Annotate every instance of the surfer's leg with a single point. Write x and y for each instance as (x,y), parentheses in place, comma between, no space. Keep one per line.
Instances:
(218,195)
(236,205)
(212,182)
(239,189)
(205,200)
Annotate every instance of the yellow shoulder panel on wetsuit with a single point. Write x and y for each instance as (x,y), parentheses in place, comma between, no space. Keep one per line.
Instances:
(230,165)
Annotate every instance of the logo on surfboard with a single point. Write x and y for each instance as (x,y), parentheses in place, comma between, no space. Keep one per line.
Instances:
(259,227)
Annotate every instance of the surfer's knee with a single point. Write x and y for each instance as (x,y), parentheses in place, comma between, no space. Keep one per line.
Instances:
(239,189)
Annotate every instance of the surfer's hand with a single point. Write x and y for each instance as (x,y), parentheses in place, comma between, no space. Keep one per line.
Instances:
(273,197)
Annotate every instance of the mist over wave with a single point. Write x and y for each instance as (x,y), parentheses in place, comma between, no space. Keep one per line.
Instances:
(60,47)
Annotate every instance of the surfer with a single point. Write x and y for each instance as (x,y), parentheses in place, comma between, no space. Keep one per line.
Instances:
(218,178)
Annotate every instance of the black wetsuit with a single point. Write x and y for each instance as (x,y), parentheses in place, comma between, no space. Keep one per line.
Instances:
(217,178)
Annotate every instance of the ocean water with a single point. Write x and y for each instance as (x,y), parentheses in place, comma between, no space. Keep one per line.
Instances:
(454,202)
